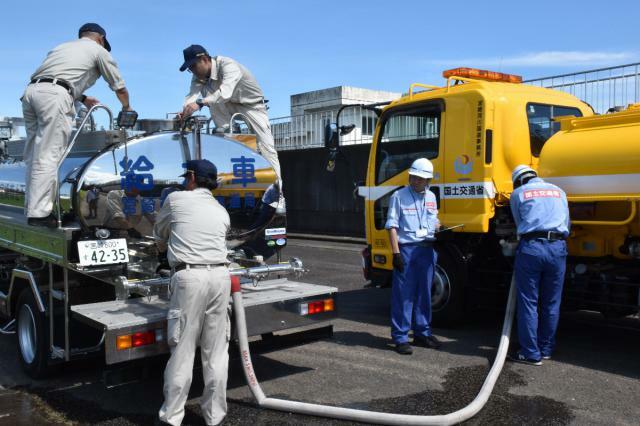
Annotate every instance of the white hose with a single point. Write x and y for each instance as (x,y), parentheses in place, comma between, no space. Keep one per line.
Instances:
(372,416)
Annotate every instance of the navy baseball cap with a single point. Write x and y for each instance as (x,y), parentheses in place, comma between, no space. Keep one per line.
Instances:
(95,28)
(201,168)
(191,55)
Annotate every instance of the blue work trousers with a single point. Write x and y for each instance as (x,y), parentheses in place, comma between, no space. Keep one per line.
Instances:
(539,267)
(411,293)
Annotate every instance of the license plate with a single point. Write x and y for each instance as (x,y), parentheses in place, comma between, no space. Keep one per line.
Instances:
(103,252)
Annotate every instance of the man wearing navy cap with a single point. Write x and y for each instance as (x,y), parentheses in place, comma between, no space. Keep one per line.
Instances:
(191,228)
(227,88)
(48,108)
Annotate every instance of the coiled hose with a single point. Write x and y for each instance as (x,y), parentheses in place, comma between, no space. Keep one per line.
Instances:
(371,416)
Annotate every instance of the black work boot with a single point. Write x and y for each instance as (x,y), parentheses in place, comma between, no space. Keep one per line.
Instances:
(48,221)
(518,357)
(428,342)
(404,348)
(159,422)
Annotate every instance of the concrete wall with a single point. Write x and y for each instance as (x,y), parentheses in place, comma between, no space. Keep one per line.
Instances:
(332,98)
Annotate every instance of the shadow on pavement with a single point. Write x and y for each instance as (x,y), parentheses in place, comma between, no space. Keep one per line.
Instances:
(584,339)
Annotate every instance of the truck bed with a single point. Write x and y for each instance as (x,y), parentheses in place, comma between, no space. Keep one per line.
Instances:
(49,244)
(270,306)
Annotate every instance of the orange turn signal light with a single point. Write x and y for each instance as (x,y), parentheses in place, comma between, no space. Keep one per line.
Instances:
(123,342)
(482,75)
(135,340)
(328,305)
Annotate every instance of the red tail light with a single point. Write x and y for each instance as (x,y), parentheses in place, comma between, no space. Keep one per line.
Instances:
(316,307)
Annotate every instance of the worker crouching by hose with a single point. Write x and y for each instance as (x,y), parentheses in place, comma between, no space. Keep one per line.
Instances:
(192,226)
(541,214)
(412,222)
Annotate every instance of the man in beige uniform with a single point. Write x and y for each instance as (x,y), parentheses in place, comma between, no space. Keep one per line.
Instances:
(48,109)
(227,87)
(194,225)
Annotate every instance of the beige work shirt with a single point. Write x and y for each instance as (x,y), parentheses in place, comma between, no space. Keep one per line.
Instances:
(80,63)
(230,81)
(193,226)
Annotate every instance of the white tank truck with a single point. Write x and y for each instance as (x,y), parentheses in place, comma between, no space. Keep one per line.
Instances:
(91,285)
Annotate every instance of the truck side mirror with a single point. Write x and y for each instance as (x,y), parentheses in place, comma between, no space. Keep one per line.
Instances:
(331,140)
(345,130)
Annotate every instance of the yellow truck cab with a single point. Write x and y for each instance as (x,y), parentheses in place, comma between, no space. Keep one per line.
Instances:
(475,130)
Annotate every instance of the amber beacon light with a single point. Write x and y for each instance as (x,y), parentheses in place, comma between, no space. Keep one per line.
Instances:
(482,75)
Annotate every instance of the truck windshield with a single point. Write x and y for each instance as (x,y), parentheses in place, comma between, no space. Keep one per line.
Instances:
(405,136)
(541,128)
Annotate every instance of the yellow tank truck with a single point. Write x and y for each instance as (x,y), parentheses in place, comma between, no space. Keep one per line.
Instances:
(475,130)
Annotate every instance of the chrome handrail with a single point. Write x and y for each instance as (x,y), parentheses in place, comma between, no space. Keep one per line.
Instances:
(244,118)
(66,152)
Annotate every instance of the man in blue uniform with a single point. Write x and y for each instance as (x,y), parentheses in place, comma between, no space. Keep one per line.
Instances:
(412,221)
(541,214)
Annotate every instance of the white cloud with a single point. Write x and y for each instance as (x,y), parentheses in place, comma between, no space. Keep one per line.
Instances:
(545,59)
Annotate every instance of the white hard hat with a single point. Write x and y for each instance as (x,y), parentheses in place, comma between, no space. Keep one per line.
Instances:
(521,171)
(421,168)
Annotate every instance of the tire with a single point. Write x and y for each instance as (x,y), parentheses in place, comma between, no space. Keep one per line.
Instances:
(32,337)
(380,278)
(447,290)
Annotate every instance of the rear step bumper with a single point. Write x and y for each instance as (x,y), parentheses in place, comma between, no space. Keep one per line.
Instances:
(271,306)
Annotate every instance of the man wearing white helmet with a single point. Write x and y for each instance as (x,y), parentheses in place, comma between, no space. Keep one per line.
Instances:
(541,213)
(412,221)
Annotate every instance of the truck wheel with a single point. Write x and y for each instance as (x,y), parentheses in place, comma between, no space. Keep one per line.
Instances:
(447,291)
(31,336)
(381,278)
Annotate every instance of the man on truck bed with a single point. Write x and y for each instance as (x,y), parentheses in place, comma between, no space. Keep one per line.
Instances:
(227,88)
(48,109)
(412,221)
(541,213)
(192,228)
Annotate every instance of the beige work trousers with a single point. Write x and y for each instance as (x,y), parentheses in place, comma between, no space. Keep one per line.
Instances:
(257,118)
(48,116)
(198,315)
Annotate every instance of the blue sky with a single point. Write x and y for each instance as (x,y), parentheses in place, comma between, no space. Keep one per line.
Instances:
(297,46)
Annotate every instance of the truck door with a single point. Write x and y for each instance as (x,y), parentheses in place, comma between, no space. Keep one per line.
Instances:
(405,134)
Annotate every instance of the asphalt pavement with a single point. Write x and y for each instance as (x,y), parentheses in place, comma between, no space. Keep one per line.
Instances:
(592,379)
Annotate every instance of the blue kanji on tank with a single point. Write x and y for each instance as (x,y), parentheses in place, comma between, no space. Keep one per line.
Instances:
(132,180)
(244,170)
